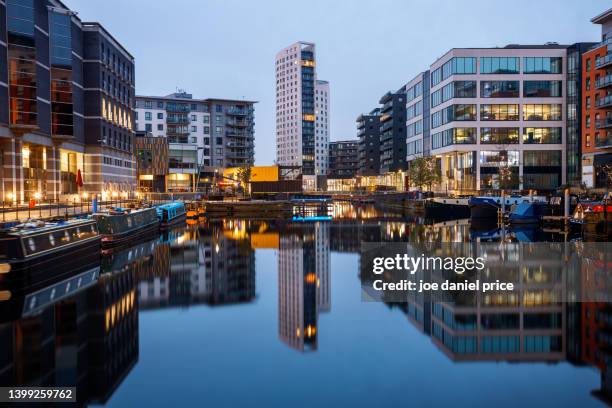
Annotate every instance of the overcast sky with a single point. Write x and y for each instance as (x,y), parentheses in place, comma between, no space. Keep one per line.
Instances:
(226,48)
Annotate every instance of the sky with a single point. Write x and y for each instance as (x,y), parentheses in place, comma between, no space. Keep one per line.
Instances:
(226,48)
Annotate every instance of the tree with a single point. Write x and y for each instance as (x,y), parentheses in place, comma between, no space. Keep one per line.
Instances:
(508,178)
(244,175)
(424,171)
(607,173)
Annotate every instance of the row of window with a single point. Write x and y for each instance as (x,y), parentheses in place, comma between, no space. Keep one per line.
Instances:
(496,89)
(497,65)
(489,135)
(503,112)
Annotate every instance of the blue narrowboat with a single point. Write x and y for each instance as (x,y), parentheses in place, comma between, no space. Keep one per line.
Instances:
(528,213)
(488,207)
(171,213)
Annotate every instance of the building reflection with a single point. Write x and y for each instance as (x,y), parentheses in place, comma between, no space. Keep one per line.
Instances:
(199,265)
(88,339)
(303,283)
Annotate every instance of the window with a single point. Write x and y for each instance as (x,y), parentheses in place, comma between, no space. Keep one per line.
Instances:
(160,115)
(206,130)
(499,65)
(148,127)
(459,112)
(218,108)
(194,129)
(499,89)
(537,158)
(194,107)
(218,129)
(193,139)
(542,112)
(454,66)
(219,140)
(454,136)
(194,118)
(206,119)
(160,126)
(160,104)
(148,104)
(207,141)
(148,116)
(497,158)
(499,135)
(499,112)
(542,89)
(542,65)
(546,135)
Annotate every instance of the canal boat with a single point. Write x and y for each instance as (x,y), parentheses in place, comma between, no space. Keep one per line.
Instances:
(528,213)
(593,218)
(119,226)
(487,207)
(33,251)
(171,214)
(447,208)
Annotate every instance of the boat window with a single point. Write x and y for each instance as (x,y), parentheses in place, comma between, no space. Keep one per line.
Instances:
(31,245)
(51,239)
(129,221)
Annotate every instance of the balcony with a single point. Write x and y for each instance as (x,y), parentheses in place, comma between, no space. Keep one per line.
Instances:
(386,125)
(605,62)
(232,133)
(605,102)
(239,111)
(604,123)
(605,141)
(604,82)
(237,123)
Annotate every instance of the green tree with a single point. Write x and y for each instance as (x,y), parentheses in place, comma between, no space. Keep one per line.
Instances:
(424,171)
(244,175)
(508,178)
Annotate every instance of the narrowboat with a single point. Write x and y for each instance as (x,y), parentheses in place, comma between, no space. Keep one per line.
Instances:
(593,218)
(34,251)
(488,207)
(528,213)
(447,208)
(118,226)
(170,214)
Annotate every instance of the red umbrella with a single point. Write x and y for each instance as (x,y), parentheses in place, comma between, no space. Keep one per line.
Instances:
(79,179)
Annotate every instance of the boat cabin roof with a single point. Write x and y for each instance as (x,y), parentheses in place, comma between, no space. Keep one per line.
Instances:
(27,229)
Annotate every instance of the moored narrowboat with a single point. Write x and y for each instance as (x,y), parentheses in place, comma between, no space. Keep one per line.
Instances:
(171,213)
(118,225)
(35,251)
(593,218)
(488,207)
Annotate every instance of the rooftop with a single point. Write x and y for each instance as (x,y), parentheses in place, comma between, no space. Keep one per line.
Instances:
(603,17)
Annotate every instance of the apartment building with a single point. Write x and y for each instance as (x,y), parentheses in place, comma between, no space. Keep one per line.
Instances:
(393,131)
(343,159)
(67,95)
(302,134)
(202,134)
(597,108)
(368,133)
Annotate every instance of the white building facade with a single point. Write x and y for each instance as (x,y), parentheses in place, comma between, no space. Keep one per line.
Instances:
(499,108)
(297,91)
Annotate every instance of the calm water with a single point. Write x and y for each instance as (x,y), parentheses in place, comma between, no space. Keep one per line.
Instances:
(235,313)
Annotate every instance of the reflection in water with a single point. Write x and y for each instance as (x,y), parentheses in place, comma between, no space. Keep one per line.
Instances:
(89,340)
(303,284)
(88,335)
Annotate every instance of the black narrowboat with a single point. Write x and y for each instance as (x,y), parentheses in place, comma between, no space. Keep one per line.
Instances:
(34,252)
(119,226)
